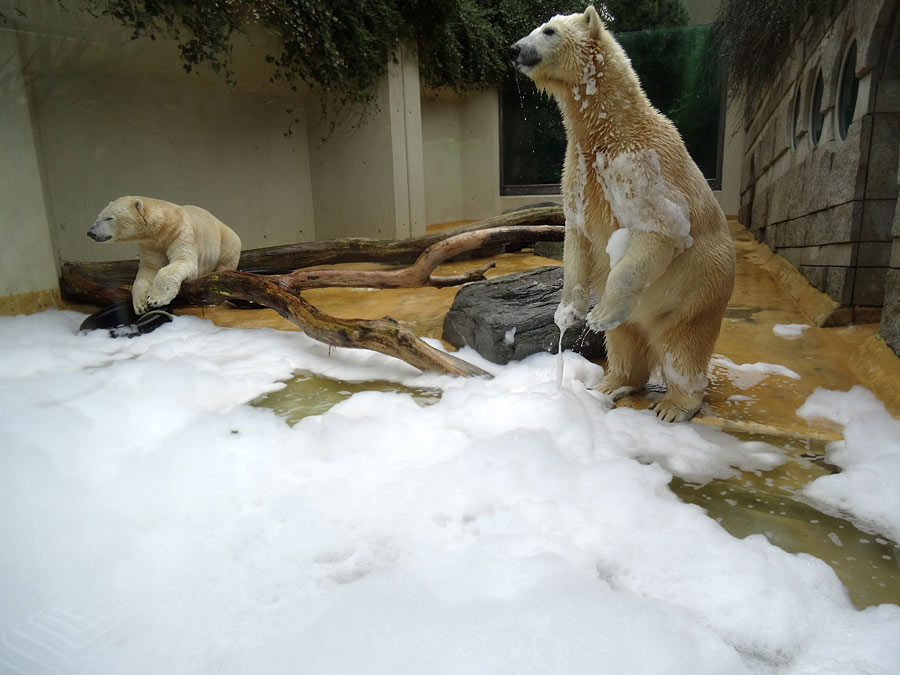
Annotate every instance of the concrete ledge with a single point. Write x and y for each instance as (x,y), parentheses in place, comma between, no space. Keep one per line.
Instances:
(30,303)
(878,367)
(817,306)
(820,308)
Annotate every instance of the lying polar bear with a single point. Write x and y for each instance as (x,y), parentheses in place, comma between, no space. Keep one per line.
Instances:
(176,243)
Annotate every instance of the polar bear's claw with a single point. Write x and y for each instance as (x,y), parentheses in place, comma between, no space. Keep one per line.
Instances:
(666,411)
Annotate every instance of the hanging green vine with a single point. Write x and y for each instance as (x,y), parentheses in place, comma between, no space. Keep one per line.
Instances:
(343,47)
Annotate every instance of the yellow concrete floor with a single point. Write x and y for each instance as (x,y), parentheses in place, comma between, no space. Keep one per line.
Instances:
(834,358)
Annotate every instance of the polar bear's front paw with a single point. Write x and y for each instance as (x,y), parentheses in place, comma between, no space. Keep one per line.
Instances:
(566,316)
(160,296)
(602,319)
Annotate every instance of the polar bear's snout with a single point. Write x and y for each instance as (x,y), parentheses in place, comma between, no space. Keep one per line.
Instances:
(523,55)
(101,230)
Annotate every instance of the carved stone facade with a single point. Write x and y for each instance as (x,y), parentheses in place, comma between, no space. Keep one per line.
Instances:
(819,181)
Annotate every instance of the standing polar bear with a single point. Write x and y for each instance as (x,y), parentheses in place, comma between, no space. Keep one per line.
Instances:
(177,243)
(643,229)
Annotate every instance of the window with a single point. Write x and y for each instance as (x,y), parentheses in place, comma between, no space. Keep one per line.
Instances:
(848,92)
(816,119)
(532,141)
(681,80)
(795,119)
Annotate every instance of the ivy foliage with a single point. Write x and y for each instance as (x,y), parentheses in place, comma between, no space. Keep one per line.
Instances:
(342,47)
(755,38)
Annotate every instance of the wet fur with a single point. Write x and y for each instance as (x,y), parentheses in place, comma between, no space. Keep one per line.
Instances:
(662,305)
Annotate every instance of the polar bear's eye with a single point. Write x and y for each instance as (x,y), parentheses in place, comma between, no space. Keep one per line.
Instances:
(549,31)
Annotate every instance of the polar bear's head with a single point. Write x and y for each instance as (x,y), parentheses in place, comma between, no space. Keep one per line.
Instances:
(124,219)
(556,54)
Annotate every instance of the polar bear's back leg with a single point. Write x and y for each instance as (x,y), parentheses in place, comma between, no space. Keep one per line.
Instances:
(683,347)
(229,261)
(231,251)
(630,360)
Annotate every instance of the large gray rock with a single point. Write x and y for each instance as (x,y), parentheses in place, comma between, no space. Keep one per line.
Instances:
(511,317)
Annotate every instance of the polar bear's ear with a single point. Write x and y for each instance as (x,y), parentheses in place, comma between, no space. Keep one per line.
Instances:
(592,20)
(139,205)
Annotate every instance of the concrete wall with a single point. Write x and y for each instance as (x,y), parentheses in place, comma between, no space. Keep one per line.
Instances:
(114,116)
(26,255)
(367,181)
(828,208)
(441,143)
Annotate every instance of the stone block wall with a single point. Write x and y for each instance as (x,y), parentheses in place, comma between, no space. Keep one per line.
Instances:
(890,318)
(828,208)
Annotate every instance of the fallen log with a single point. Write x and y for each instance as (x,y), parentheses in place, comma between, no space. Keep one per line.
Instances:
(419,273)
(282,259)
(296,256)
(81,283)
(385,336)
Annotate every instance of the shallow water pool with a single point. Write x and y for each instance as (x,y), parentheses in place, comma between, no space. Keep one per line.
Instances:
(307,394)
(770,503)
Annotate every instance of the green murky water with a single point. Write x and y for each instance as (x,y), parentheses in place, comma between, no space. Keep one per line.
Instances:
(305,395)
(768,503)
(752,503)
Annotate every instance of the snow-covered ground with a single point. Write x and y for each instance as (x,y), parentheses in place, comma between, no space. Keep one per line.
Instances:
(153,522)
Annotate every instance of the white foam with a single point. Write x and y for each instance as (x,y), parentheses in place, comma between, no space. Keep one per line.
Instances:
(560,363)
(868,486)
(789,331)
(513,526)
(617,245)
(641,198)
(841,406)
(688,382)
(566,316)
(747,375)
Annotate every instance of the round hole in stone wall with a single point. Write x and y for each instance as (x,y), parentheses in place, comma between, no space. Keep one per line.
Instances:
(816,118)
(848,92)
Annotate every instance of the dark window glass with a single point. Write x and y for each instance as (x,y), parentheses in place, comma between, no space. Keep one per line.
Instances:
(816,119)
(795,121)
(532,141)
(681,77)
(849,91)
